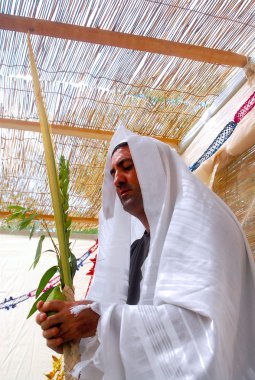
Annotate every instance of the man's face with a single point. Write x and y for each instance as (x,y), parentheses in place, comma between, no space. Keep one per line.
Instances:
(126,182)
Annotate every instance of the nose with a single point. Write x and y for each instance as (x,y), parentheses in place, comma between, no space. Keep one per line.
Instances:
(119,178)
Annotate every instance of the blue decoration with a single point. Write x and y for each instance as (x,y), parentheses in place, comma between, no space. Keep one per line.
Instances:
(216,144)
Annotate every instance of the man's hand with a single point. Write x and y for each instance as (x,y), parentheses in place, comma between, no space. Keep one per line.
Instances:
(63,326)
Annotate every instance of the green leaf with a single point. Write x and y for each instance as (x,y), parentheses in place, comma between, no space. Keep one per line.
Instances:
(26,221)
(38,251)
(32,231)
(45,279)
(14,215)
(16,208)
(43,297)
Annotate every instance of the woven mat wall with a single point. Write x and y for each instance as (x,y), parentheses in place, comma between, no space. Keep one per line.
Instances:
(236,186)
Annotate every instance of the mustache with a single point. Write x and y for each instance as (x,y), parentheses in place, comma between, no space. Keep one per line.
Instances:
(124,187)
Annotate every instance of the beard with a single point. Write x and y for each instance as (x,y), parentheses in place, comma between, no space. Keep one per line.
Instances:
(132,203)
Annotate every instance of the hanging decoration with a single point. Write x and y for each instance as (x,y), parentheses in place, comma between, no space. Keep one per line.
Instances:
(226,132)
(91,273)
(11,302)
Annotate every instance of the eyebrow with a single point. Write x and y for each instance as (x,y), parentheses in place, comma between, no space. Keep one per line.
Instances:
(120,163)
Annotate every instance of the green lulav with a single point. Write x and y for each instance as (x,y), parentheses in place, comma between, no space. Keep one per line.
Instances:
(52,175)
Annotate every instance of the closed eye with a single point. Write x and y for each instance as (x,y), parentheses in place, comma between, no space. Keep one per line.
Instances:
(112,172)
(126,164)
(129,167)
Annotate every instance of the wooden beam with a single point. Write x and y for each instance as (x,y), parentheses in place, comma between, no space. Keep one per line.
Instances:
(121,40)
(66,130)
(75,219)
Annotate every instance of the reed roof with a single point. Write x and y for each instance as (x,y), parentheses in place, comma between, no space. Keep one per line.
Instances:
(91,88)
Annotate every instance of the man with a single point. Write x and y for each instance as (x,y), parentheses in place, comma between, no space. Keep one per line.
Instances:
(190,313)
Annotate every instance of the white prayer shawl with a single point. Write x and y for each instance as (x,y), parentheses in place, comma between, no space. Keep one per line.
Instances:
(196,316)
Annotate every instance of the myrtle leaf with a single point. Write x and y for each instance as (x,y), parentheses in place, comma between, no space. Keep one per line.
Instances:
(68,223)
(73,264)
(45,279)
